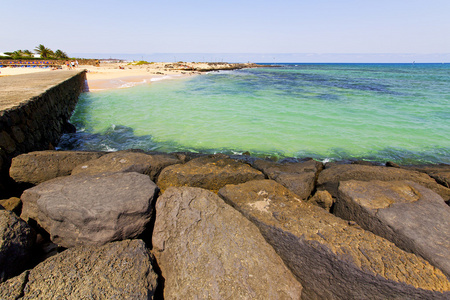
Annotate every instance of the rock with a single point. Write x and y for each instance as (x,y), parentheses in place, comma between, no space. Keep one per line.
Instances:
(37,167)
(16,242)
(208,250)
(209,172)
(322,199)
(392,164)
(330,177)
(126,161)
(91,209)
(119,270)
(12,289)
(299,177)
(12,204)
(404,212)
(331,258)
(441,172)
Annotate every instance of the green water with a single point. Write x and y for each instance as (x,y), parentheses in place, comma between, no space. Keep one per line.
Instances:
(328,111)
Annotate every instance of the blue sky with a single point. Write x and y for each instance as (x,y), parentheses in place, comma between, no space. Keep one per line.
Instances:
(315,27)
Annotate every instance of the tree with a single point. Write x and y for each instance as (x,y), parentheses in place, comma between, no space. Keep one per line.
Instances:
(43,51)
(27,53)
(60,54)
(17,54)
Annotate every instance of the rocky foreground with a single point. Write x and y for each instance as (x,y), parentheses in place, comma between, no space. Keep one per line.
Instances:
(135,225)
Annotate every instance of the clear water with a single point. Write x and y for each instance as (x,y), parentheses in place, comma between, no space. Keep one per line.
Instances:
(380,112)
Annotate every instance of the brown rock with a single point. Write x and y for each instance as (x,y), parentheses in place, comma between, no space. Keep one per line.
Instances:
(441,172)
(332,259)
(404,212)
(127,161)
(208,250)
(91,209)
(12,204)
(330,177)
(299,177)
(12,289)
(209,172)
(322,199)
(37,167)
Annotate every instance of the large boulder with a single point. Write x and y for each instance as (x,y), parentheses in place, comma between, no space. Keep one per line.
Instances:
(404,212)
(208,250)
(37,167)
(299,177)
(441,172)
(209,172)
(329,178)
(119,270)
(331,258)
(128,161)
(16,242)
(91,209)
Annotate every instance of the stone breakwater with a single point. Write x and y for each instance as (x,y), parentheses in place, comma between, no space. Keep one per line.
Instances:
(34,112)
(136,225)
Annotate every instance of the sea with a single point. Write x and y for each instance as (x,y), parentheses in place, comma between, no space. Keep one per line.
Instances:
(329,112)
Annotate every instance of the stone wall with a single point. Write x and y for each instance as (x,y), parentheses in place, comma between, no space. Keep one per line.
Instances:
(37,123)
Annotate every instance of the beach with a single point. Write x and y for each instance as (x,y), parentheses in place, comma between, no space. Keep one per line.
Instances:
(112,75)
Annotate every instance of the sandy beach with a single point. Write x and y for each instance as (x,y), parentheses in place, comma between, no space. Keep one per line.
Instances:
(123,75)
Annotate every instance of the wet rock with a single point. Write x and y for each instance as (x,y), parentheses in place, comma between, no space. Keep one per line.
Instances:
(329,178)
(208,250)
(91,209)
(128,161)
(299,177)
(119,270)
(37,167)
(209,172)
(331,258)
(16,242)
(322,199)
(404,212)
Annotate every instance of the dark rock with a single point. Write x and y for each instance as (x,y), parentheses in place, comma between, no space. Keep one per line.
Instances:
(208,250)
(37,167)
(322,199)
(16,242)
(392,164)
(299,177)
(12,204)
(329,178)
(332,259)
(119,270)
(404,212)
(209,172)
(91,209)
(128,161)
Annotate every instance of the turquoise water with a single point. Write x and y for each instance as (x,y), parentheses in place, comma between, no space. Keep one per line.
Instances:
(381,112)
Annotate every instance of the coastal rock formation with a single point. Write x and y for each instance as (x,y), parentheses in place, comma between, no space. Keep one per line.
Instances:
(209,172)
(16,241)
(299,177)
(128,161)
(12,204)
(208,250)
(441,173)
(322,199)
(378,206)
(37,167)
(331,258)
(330,177)
(91,209)
(119,270)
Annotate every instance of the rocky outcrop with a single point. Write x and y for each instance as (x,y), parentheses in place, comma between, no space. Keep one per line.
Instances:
(16,242)
(404,212)
(91,209)
(208,250)
(322,199)
(299,177)
(330,177)
(209,172)
(119,270)
(12,204)
(39,166)
(440,173)
(128,161)
(332,259)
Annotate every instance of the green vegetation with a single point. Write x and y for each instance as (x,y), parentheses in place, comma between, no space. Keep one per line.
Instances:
(44,53)
(141,62)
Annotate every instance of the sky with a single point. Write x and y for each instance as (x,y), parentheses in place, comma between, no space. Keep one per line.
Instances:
(271,30)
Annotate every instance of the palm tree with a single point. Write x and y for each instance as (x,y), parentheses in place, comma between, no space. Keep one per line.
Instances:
(43,51)
(60,54)
(27,53)
(17,54)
